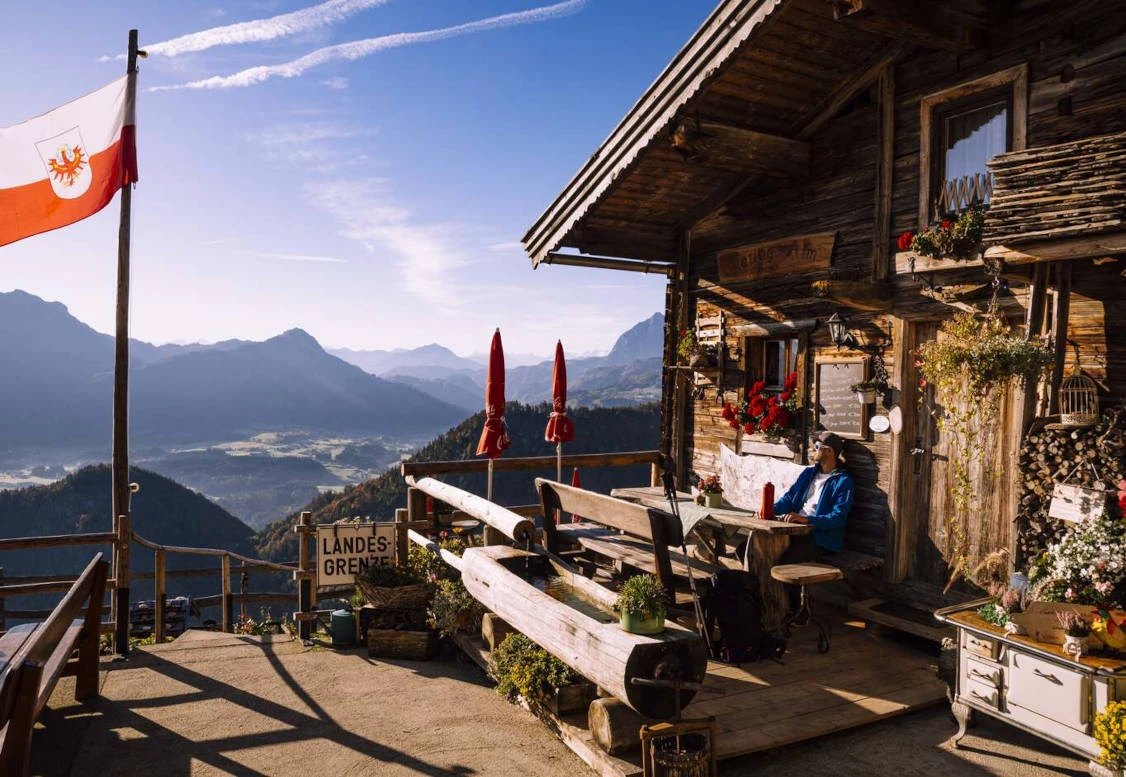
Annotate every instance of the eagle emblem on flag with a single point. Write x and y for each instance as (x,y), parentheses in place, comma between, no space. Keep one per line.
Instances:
(68,163)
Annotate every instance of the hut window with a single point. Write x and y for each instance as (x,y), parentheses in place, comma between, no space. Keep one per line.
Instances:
(771,360)
(961,129)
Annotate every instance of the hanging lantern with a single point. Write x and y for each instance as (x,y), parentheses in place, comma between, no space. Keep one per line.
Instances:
(1079,400)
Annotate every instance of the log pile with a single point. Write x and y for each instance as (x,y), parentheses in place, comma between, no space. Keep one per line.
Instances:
(1071,190)
(1051,456)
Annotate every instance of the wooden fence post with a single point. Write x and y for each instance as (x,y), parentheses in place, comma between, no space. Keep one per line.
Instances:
(3,627)
(304,575)
(654,474)
(402,542)
(243,588)
(158,577)
(228,614)
(124,531)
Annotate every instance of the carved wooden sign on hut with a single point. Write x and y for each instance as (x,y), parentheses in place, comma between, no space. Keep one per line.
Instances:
(789,256)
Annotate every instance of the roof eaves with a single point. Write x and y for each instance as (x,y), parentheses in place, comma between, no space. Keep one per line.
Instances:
(724,32)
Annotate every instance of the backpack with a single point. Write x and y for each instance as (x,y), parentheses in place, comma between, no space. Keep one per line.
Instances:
(735,605)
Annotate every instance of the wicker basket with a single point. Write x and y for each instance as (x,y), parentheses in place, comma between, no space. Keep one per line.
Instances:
(403,596)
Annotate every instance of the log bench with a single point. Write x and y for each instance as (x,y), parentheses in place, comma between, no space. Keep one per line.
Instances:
(635,535)
(34,656)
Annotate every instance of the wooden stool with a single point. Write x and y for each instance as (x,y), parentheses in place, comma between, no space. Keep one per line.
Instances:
(804,575)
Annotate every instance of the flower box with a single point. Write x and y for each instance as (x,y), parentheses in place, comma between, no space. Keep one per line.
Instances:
(571,699)
(403,644)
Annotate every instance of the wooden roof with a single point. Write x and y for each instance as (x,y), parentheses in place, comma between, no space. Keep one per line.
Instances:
(741,100)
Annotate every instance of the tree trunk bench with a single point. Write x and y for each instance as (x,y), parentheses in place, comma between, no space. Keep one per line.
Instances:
(34,656)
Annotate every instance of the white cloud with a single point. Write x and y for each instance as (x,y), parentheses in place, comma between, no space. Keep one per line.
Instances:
(425,255)
(259,30)
(338,83)
(322,146)
(364,48)
(296,257)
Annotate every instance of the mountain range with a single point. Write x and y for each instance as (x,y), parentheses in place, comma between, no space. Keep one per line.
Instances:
(56,388)
(629,375)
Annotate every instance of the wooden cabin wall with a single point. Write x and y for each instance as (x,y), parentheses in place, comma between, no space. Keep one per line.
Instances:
(1076,74)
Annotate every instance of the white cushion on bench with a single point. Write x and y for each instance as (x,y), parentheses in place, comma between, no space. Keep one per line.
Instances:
(743,477)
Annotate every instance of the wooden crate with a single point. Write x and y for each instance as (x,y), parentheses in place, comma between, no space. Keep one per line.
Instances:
(401,643)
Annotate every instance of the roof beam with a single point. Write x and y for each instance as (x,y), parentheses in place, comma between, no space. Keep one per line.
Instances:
(727,147)
(610,263)
(927,24)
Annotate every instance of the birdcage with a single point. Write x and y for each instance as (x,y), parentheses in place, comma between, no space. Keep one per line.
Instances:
(1079,400)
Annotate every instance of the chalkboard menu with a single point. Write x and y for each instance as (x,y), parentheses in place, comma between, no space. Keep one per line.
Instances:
(837,408)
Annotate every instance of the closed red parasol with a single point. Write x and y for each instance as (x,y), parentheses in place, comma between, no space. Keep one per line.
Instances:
(560,428)
(494,437)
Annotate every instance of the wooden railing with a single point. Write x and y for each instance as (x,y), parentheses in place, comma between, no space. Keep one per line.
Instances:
(226,599)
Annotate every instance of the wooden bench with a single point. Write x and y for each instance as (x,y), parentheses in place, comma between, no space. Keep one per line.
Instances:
(646,532)
(34,656)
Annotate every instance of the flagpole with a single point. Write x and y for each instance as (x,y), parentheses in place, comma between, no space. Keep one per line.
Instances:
(120,462)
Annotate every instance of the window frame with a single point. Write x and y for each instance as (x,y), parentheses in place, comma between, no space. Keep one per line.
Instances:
(755,351)
(1012,84)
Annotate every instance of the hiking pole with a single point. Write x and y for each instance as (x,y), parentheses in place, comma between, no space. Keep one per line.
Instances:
(674,507)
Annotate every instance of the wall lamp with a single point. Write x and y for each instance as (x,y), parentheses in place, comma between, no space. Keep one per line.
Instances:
(838,331)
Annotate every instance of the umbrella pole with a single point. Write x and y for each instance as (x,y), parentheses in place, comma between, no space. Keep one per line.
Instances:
(559,462)
(489,490)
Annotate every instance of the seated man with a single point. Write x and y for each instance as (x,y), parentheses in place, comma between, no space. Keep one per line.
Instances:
(822,497)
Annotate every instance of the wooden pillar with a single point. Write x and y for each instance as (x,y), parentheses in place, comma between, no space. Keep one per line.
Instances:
(1061,315)
(158,596)
(305,574)
(885,169)
(123,543)
(808,423)
(3,627)
(680,381)
(654,474)
(402,542)
(902,500)
(228,610)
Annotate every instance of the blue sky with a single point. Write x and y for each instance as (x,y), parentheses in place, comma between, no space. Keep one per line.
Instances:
(374,201)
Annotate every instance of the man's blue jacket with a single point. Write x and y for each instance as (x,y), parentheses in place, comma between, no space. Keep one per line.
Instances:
(832,508)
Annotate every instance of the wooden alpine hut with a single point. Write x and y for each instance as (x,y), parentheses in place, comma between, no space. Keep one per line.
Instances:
(778,171)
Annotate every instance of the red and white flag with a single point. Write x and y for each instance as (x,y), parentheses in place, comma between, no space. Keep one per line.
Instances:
(67,164)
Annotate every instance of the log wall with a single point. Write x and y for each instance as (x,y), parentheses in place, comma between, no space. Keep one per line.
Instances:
(1076,59)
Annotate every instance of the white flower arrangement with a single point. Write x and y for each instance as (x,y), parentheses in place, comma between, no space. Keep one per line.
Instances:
(1087,566)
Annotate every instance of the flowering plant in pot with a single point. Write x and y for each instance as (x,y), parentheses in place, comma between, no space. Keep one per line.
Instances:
(687,346)
(642,602)
(1110,734)
(774,415)
(524,670)
(954,236)
(1087,565)
(712,490)
(1076,629)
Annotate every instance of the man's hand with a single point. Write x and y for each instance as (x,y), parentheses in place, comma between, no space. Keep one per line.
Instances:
(795,518)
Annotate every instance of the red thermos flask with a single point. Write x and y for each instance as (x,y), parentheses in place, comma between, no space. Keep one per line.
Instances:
(767,511)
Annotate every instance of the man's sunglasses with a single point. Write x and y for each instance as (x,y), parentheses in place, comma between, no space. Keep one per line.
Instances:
(817,445)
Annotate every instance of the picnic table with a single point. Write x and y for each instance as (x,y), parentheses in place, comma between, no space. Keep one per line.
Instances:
(768,539)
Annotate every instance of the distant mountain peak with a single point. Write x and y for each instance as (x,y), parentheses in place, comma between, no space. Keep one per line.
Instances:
(643,340)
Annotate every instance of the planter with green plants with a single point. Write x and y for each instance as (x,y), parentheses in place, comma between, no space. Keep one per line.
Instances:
(1076,630)
(453,609)
(393,586)
(526,671)
(642,603)
(866,391)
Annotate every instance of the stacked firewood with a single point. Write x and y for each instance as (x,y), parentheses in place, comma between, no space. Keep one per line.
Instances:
(1070,190)
(1081,457)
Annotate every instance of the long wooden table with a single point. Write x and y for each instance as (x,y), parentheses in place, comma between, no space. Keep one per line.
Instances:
(768,539)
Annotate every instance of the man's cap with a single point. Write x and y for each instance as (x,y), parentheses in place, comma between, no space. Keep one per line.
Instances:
(831,440)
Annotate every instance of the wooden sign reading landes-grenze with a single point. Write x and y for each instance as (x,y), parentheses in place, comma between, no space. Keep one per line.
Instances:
(788,256)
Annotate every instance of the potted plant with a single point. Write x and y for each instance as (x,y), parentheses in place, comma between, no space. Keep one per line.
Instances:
(773,415)
(866,391)
(1110,735)
(1076,629)
(390,585)
(453,609)
(712,491)
(687,346)
(958,237)
(524,670)
(642,602)
(993,613)
(1086,566)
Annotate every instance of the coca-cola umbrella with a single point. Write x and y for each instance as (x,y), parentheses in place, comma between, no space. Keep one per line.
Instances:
(560,428)
(494,437)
